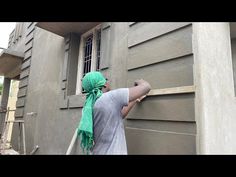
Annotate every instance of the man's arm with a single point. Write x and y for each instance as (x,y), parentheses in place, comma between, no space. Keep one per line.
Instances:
(126,109)
(140,89)
(136,93)
(131,104)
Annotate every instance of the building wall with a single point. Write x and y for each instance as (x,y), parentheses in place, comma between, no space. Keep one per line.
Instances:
(160,53)
(25,46)
(17,37)
(215,98)
(50,128)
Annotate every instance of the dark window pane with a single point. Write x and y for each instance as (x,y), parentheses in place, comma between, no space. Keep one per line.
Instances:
(87,55)
(98,49)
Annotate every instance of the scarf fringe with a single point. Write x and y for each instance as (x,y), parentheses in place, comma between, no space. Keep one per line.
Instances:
(86,140)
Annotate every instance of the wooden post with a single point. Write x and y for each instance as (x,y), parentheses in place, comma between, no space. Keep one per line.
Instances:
(72,142)
(23,137)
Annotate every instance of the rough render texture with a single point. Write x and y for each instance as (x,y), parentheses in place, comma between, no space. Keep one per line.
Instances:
(50,128)
(215,99)
(20,44)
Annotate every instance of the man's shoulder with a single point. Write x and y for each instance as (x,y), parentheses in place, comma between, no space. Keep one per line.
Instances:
(112,93)
(118,90)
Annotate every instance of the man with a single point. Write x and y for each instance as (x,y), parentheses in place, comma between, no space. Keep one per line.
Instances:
(101,126)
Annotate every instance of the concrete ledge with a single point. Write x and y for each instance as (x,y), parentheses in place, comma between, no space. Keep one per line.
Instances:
(63,102)
(64,28)
(76,101)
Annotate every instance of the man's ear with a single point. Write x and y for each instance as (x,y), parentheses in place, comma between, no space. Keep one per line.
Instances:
(105,85)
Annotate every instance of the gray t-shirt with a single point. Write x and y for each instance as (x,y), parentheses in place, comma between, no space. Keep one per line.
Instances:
(108,127)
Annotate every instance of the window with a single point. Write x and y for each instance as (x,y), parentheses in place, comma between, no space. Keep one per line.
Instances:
(89,54)
(98,50)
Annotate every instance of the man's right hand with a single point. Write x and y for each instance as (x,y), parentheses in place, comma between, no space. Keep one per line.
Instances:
(141,98)
(140,89)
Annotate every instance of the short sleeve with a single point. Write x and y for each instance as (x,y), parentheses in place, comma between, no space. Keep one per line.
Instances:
(120,96)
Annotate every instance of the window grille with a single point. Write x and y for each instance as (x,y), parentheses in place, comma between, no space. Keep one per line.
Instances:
(88,54)
(98,50)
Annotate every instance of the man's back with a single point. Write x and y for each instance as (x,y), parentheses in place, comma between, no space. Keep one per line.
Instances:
(109,135)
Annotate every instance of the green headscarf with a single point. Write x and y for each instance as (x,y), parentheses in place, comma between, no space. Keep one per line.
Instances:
(92,84)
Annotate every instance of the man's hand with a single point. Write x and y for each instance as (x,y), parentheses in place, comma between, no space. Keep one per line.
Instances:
(140,89)
(141,98)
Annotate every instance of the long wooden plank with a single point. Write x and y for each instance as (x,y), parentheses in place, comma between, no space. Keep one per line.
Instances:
(173,90)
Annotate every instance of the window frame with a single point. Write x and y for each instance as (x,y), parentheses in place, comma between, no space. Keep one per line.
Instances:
(93,31)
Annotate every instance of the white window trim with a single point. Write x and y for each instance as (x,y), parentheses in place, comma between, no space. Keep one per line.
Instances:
(81,56)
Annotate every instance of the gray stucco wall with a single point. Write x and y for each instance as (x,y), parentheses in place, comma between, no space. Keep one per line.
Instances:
(215,99)
(18,43)
(51,128)
(161,53)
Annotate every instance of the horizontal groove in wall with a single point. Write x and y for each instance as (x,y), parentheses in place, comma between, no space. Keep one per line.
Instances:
(28,46)
(175,45)
(23,82)
(26,64)
(29,38)
(30,30)
(106,25)
(159,131)
(158,62)
(163,125)
(161,34)
(30,24)
(20,102)
(132,23)
(24,73)
(19,112)
(179,107)
(22,92)
(28,54)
